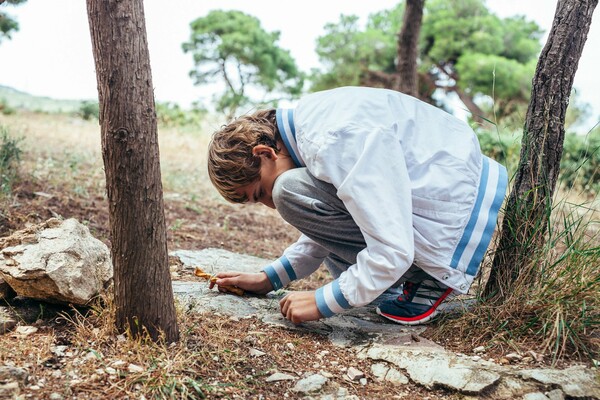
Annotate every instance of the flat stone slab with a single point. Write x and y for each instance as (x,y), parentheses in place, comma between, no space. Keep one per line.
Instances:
(375,338)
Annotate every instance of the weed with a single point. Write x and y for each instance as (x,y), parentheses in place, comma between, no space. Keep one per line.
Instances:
(553,307)
(10,157)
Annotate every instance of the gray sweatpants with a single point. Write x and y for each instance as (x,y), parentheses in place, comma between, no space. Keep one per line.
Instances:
(313,207)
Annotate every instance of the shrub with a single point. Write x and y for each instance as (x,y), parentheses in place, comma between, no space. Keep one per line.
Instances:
(10,157)
(89,110)
(5,108)
(171,114)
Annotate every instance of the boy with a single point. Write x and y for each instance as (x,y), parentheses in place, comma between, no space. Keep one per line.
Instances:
(385,189)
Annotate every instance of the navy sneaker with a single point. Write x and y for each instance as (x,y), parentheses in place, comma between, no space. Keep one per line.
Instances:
(417,304)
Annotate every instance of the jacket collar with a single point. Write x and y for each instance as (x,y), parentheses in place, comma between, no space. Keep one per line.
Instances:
(287,130)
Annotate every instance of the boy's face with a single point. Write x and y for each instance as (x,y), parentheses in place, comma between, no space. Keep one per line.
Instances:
(271,166)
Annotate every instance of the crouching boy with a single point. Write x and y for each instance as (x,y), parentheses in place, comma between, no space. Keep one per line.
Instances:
(385,189)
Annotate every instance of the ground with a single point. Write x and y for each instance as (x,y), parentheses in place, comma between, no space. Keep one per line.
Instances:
(74,352)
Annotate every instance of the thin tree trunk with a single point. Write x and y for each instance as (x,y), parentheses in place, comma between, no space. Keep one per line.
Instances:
(143,291)
(408,47)
(530,202)
(476,112)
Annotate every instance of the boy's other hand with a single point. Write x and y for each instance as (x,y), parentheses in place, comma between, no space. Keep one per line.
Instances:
(300,307)
(250,282)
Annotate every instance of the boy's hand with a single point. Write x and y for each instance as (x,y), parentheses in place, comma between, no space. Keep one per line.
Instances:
(300,307)
(256,282)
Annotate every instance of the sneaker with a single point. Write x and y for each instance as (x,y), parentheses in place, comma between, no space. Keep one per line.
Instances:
(417,304)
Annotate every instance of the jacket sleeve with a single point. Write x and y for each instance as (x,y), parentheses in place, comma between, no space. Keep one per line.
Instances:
(298,261)
(369,171)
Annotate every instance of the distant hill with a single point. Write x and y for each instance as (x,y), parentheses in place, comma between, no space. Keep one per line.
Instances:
(25,101)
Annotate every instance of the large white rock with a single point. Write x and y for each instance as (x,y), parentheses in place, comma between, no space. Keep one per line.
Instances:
(56,261)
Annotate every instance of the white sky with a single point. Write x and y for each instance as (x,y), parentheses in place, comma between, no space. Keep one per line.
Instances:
(51,54)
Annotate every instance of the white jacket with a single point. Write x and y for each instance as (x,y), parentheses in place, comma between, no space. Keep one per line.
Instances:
(413,178)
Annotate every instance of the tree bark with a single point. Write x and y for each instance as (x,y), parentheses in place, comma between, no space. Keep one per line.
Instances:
(408,47)
(143,291)
(530,201)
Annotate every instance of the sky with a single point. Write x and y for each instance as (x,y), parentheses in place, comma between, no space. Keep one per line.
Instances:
(51,54)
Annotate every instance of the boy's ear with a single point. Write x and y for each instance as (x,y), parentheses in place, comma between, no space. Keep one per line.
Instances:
(264,150)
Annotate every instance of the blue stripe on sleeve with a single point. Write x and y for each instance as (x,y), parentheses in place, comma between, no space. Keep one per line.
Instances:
(288,268)
(490,225)
(273,277)
(322,304)
(474,216)
(339,296)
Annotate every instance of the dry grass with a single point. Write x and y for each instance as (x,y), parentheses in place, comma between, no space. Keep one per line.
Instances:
(553,308)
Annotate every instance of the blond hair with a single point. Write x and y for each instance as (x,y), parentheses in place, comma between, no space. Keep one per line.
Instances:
(231,163)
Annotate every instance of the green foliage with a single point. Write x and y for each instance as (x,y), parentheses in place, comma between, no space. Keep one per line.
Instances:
(6,108)
(8,25)
(171,114)
(232,47)
(347,51)
(580,162)
(463,46)
(89,110)
(10,157)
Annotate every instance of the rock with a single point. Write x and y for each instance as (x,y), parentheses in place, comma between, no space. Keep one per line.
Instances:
(396,377)
(479,349)
(384,373)
(256,353)
(363,381)
(7,322)
(56,396)
(310,384)
(576,381)
(13,374)
(133,368)
(56,261)
(436,368)
(9,390)
(556,394)
(535,396)
(24,331)
(379,371)
(280,376)
(512,357)
(355,374)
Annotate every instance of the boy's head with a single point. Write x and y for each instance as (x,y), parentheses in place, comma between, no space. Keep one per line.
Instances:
(231,163)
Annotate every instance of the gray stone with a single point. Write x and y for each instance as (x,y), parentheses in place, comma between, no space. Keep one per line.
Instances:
(576,381)
(396,377)
(280,376)
(379,371)
(556,394)
(535,396)
(13,374)
(436,368)
(256,353)
(56,261)
(217,260)
(355,374)
(9,390)
(312,383)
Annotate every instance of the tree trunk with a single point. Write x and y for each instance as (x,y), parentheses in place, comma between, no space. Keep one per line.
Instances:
(408,47)
(143,291)
(530,201)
